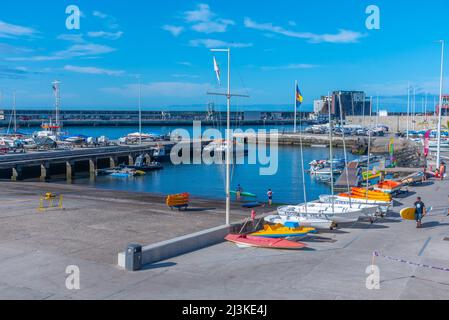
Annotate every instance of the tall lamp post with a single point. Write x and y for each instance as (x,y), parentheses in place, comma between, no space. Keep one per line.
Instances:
(440,105)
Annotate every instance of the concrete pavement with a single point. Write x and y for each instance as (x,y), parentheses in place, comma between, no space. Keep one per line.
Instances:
(35,250)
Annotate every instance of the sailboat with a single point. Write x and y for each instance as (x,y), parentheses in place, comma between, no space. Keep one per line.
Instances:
(52,130)
(369,207)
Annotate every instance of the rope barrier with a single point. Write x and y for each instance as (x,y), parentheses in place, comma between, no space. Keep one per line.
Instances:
(421,265)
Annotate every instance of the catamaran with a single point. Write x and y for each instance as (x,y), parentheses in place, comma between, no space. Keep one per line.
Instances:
(382,206)
(336,214)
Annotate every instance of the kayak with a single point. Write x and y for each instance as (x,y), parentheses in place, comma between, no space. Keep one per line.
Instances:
(370,175)
(371,194)
(383,205)
(388,186)
(242,240)
(251,205)
(283,231)
(245,194)
(177,200)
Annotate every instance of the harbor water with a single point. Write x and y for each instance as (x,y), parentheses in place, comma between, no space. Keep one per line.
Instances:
(208,181)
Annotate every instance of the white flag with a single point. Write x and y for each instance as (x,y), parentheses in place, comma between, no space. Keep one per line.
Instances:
(217,71)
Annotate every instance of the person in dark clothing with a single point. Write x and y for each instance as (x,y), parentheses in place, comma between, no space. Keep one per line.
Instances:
(420,211)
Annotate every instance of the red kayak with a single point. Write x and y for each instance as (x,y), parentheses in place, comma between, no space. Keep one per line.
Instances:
(259,242)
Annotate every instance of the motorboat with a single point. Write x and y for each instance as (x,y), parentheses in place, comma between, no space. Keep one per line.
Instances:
(142,166)
(159,153)
(221,147)
(136,137)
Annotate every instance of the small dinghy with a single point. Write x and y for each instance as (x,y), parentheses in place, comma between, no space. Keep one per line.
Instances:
(246,241)
(288,230)
(388,186)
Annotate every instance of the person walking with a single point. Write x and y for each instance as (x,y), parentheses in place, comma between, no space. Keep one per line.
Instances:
(442,170)
(420,211)
(239,191)
(270,197)
(424,174)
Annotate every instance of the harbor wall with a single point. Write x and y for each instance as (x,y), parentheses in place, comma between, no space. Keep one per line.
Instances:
(181,245)
(398,123)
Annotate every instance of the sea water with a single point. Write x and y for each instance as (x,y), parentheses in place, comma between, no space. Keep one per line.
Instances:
(208,181)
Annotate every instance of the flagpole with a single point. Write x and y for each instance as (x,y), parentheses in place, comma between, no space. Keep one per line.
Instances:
(440,105)
(229,144)
(295,113)
(228,135)
(15,111)
(140,110)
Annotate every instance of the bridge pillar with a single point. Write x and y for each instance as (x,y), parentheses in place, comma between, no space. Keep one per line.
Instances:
(44,172)
(112,162)
(92,168)
(16,174)
(69,171)
(130,160)
(147,158)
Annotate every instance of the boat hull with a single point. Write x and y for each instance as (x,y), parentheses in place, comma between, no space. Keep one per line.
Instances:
(267,243)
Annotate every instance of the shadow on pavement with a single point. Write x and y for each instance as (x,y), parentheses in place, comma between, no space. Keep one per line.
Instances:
(433,224)
(158,265)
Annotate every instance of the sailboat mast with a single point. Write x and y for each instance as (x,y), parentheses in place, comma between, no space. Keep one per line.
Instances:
(228,142)
(440,106)
(140,111)
(408,109)
(302,159)
(14,111)
(344,143)
(56,84)
(295,113)
(331,155)
(369,149)
(377,109)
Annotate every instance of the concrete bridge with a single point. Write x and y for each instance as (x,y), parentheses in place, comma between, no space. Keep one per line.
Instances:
(43,164)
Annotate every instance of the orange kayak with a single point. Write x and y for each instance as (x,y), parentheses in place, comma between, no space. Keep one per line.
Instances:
(388,186)
(371,194)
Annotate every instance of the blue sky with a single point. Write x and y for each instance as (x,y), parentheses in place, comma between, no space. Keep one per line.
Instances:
(325,45)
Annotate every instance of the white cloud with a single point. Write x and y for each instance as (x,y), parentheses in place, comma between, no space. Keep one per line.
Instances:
(110,21)
(105,34)
(174,30)
(202,13)
(93,70)
(77,50)
(343,36)
(218,26)
(162,89)
(184,63)
(99,14)
(213,43)
(185,75)
(78,38)
(8,30)
(203,20)
(292,66)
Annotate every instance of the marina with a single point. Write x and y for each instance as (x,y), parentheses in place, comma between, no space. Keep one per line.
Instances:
(212,151)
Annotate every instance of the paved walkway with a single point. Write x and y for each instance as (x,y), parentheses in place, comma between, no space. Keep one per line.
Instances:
(33,267)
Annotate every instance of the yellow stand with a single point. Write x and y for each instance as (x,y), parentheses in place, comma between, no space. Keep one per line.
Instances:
(49,197)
